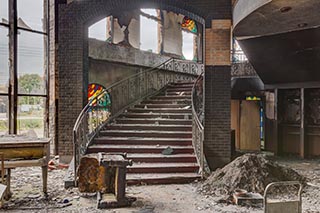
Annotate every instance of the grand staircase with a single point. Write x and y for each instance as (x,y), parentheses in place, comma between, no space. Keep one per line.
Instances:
(157,135)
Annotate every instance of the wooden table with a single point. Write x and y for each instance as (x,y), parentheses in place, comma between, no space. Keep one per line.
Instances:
(22,151)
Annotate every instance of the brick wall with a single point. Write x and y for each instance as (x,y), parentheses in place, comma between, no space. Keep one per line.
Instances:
(218,42)
(217,125)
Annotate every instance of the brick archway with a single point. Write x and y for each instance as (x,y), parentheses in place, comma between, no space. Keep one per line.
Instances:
(72,54)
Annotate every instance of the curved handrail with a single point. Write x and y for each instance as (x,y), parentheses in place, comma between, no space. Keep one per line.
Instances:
(194,90)
(113,85)
(128,91)
(197,126)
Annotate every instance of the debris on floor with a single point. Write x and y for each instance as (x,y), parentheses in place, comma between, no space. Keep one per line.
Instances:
(167,151)
(250,172)
(27,195)
(55,164)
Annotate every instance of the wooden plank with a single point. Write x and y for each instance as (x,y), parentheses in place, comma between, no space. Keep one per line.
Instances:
(23,153)
(235,120)
(250,126)
(24,163)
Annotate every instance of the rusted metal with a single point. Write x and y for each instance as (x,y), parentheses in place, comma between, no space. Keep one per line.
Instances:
(285,204)
(105,173)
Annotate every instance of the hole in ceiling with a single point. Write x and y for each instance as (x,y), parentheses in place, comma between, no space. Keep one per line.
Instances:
(285,9)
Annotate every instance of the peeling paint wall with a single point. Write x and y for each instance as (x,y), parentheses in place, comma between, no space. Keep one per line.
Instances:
(134,33)
(172,33)
(118,34)
(118,31)
(107,73)
(101,51)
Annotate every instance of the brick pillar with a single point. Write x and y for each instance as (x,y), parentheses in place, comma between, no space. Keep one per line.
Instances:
(217,143)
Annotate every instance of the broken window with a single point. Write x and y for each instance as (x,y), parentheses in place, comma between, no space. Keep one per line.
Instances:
(4,60)
(99,30)
(189,35)
(188,45)
(31,15)
(30,64)
(30,115)
(149,30)
(31,72)
(4,11)
(4,112)
(4,79)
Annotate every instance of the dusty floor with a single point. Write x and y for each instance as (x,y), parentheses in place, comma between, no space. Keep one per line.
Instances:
(27,197)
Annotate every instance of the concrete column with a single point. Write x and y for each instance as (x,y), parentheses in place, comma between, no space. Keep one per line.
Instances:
(217,126)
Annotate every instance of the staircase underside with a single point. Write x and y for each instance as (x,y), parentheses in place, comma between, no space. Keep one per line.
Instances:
(146,130)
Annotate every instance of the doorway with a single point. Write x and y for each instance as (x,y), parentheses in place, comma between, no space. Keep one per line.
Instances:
(248,122)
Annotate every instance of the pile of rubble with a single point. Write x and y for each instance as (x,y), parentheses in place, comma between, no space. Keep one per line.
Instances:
(250,172)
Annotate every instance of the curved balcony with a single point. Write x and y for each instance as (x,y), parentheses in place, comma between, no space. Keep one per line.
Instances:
(280,39)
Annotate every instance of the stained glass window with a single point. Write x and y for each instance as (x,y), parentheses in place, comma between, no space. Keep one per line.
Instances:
(95,90)
(189,24)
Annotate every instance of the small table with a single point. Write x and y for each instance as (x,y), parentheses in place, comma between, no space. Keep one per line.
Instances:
(23,151)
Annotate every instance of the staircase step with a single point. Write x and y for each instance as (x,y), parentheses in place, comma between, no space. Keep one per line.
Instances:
(183,89)
(146,134)
(143,141)
(182,101)
(139,149)
(177,93)
(156,158)
(189,86)
(158,115)
(161,178)
(172,97)
(168,106)
(182,83)
(149,127)
(153,121)
(162,168)
(159,110)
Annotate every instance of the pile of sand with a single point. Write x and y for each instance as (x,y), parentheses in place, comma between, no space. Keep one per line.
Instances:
(250,172)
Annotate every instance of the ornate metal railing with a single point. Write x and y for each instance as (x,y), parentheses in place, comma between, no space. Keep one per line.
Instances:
(197,122)
(243,70)
(184,66)
(121,95)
